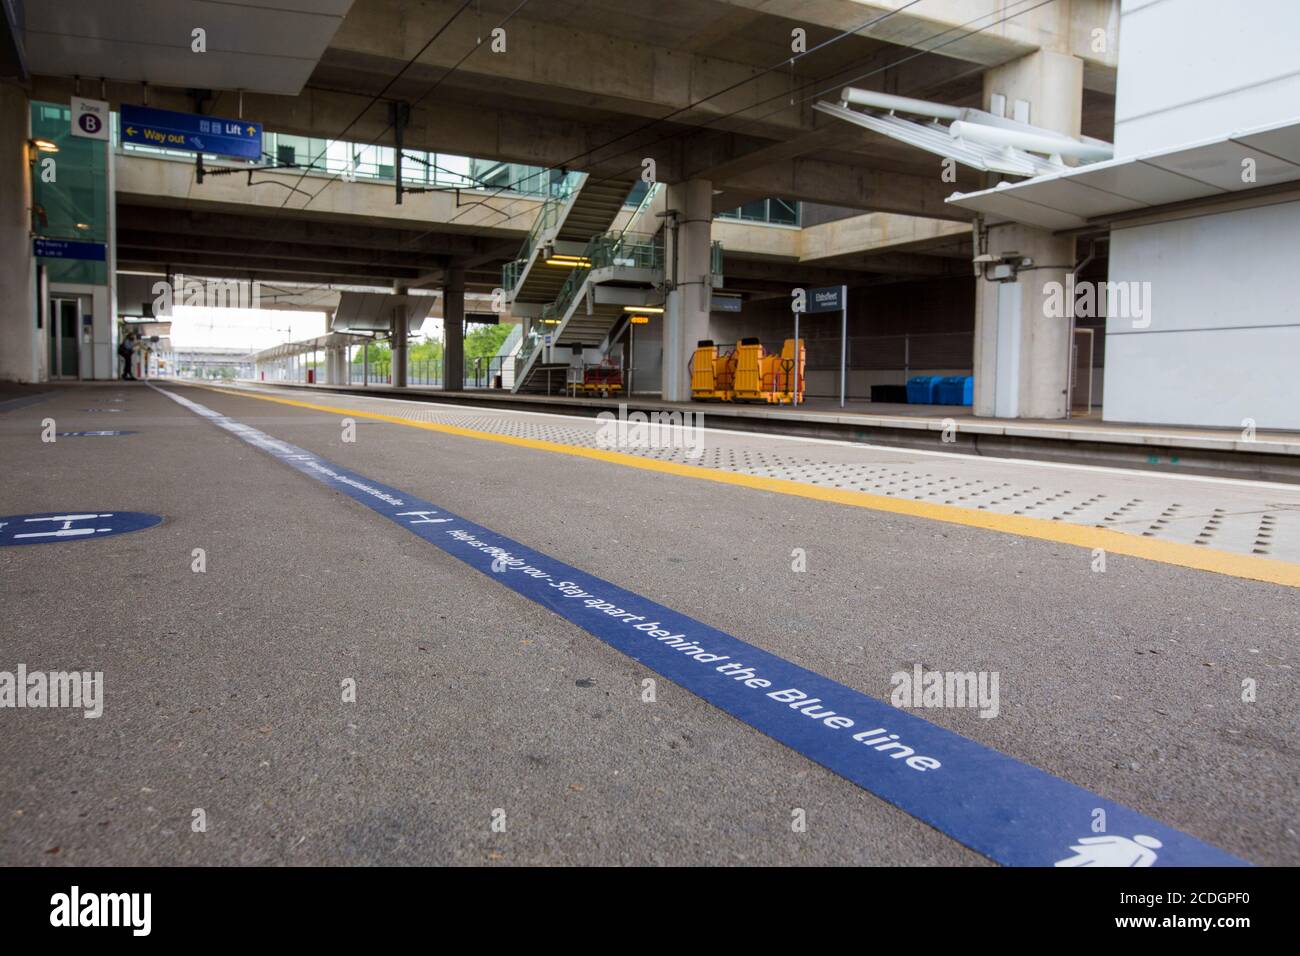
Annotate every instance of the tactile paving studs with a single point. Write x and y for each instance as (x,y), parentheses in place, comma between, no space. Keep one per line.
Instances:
(1272,533)
(1264,534)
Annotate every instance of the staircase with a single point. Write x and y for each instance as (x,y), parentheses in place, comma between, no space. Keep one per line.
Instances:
(595,206)
(613,260)
(580,208)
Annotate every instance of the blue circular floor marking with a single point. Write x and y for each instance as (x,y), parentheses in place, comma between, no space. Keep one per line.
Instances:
(51,526)
(92,434)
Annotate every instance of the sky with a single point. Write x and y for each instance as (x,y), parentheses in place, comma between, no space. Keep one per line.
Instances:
(252,329)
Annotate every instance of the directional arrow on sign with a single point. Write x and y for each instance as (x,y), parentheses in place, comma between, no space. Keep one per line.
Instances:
(130,131)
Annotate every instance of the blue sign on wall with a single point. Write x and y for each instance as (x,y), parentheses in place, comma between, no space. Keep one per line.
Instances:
(54,526)
(241,139)
(69,249)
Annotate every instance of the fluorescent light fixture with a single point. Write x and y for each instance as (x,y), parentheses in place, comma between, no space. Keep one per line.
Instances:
(652,309)
(46,145)
(567,263)
(1038,142)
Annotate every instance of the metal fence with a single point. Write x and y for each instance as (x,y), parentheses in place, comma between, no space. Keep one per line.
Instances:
(479,373)
(901,353)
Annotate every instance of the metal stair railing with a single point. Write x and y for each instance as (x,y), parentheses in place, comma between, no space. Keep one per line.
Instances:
(549,217)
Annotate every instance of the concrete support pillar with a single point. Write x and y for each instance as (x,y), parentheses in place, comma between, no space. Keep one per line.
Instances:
(1022,354)
(399,346)
(453,325)
(687,262)
(22,357)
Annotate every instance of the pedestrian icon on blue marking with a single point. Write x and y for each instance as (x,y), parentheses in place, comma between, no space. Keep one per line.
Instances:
(423,517)
(1114,851)
(53,526)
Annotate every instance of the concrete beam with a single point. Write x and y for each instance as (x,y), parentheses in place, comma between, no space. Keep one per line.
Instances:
(792,274)
(716,154)
(162,181)
(164,244)
(436,124)
(259,225)
(555,61)
(202,264)
(858,187)
(984,32)
(874,233)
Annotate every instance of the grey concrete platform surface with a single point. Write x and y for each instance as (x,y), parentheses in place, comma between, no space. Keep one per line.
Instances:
(1268,455)
(1258,518)
(222,689)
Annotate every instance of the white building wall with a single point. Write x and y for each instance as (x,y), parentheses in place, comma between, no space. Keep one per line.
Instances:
(1223,344)
(1192,70)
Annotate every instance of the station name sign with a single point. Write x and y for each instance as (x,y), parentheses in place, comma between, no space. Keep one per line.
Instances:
(826,299)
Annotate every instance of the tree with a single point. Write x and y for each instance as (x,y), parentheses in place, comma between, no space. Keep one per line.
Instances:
(484,341)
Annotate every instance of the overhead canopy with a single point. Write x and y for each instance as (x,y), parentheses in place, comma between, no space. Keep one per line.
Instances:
(319,344)
(1089,194)
(373,311)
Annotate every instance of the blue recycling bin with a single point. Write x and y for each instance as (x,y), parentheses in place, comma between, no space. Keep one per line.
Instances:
(921,389)
(956,390)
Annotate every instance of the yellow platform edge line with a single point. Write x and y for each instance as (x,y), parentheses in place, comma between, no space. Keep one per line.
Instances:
(1196,557)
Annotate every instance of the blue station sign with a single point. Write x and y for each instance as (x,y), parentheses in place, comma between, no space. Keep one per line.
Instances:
(241,139)
(69,249)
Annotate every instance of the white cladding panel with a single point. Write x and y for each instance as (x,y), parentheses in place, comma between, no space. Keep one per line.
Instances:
(1196,69)
(1223,343)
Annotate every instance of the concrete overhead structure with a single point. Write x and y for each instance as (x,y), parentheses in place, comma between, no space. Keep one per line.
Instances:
(695,84)
(715,92)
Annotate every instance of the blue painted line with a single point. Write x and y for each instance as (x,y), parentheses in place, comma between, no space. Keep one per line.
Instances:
(108,434)
(1009,811)
(11,404)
